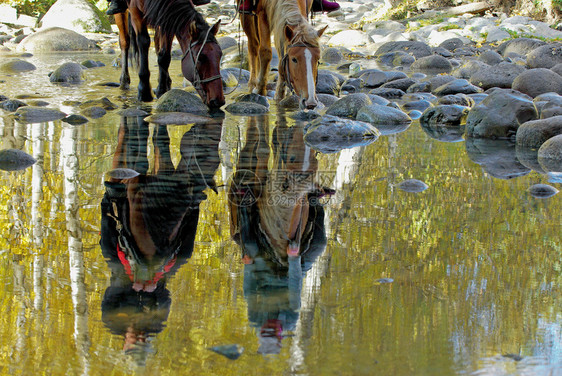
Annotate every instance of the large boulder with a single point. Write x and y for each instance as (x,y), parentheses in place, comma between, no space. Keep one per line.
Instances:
(76,15)
(521,46)
(69,73)
(500,75)
(538,81)
(177,100)
(350,38)
(533,134)
(16,66)
(500,114)
(545,56)
(56,39)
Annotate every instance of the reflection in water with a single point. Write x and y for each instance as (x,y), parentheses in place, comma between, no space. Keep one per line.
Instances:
(278,221)
(149,222)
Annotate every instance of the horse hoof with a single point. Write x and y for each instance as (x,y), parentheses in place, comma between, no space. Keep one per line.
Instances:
(146,98)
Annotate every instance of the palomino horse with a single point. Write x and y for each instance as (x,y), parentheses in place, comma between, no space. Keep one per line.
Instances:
(297,44)
(200,62)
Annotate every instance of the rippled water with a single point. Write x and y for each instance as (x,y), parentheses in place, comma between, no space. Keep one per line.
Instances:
(462,278)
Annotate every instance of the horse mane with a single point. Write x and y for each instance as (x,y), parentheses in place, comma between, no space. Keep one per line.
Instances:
(286,12)
(173,17)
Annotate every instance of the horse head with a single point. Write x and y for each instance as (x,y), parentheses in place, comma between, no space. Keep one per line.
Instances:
(300,65)
(201,64)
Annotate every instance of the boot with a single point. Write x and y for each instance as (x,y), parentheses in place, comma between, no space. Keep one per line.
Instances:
(324,6)
(116,6)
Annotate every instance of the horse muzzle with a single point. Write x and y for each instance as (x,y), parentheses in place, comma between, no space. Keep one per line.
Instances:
(308,104)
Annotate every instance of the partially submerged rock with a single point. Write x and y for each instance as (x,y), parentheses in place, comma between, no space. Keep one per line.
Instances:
(32,114)
(176,118)
(14,159)
(330,134)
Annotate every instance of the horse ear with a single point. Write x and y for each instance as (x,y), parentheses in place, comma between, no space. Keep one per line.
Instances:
(215,28)
(193,28)
(321,31)
(289,32)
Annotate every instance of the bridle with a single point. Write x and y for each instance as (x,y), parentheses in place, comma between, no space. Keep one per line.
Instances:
(194,77)
(285,67)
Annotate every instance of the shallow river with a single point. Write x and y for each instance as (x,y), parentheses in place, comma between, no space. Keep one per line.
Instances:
(462,278)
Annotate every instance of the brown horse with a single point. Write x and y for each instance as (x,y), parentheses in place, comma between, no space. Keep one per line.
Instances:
(297,44)
(200,63)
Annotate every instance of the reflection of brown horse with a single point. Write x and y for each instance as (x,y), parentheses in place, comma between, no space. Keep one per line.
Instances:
(274,202)
(297,44)
(172,18)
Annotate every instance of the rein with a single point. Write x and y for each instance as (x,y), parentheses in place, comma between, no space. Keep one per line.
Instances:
(197,81)
(285,66)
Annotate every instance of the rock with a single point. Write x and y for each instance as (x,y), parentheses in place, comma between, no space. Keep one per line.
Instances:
(388,93)
(92,64)
(459,86)
(412,186)
(557,69)
(378,78)
(496,34)
(521,46)
(433,64)
(227,42)
(417,49)
(37,103)
(542,191)
(501,75)
(75,119)
(456,99)
(350,38)
(528,157)
(538,81)
(16,66)
(104,102)
(396,58)
(500,114)
(76,15)
(56,39)
(550,154)
(377,114)
(534,133)
(69,73)
(253,98)
(327,83)
(420,105)
(94,112)
(490,57)
(497,157)
(177,100)
(349,106)
(332,55)
(305,115)
(402,84)
(14,159)
(452,44)
(12,105)
(32,114)
(290,102)
(444,116)
(246,108)
(176,118)
(232,352)
(546,56)
(330,134)
(469,68)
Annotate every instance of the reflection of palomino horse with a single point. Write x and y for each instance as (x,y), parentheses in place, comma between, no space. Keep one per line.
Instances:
(297,44)
(270,209)
(200,63)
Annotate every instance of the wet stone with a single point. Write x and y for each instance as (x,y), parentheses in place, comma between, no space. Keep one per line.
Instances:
(305,115)
(534,133)
(433,64)
(349,106)
(177,100)
(75,119)
(460,86)
(132,112)
(92,64)
(246,108)
(420,105)
(444,115)
(94,112)
(17,66)
(176,118)
(253,98)
(330,134)
(71,73)
(290,102)
(104,103)
(32,114)
(388,93)
(550,154)
(542,191)
(402,84)
(501,75)
(378,78)
(456,99)
(412,186)
(14,159)
(12,105)
(377,114)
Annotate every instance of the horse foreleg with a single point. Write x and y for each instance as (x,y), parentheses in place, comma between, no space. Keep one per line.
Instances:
(124,42)
(249,25)
(163,47)
(264,52)
(143,43)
